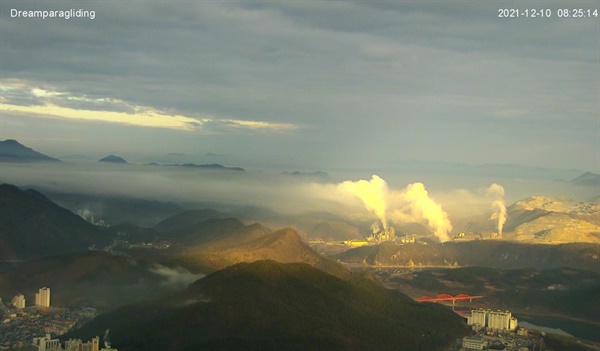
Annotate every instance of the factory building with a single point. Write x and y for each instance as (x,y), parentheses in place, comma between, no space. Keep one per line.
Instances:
(42,297)
(494,320)
(19,301)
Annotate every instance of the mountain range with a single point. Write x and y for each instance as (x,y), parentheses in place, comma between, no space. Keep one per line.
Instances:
(481,253)
(32,226)
(268,288)
(267,305)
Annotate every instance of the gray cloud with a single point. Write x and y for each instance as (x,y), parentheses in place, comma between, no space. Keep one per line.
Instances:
(369,82)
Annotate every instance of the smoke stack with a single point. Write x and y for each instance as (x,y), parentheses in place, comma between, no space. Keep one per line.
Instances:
(496,192)
(106,339)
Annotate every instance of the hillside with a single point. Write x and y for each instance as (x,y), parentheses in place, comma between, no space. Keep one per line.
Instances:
(284,246)
(237,237)
(203,232)
(13,151)
(116,209)
(253,244)
(272,306)
(135,234)
(334,231)
(564,291)
(483,253)
(587,179)
(184,220)
(92,278)
(33,226)
(552,220)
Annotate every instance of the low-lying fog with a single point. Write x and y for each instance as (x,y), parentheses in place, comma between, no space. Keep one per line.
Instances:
(457,195)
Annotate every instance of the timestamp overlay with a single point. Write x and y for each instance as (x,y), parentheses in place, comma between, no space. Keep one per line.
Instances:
(540,12)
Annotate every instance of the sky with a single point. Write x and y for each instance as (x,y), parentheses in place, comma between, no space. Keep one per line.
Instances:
(309,84)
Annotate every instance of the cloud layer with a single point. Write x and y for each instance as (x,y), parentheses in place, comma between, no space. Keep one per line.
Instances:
(21,97)
(315,84)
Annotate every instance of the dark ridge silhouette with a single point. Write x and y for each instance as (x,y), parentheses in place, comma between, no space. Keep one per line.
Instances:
(32,226)
(13,151)
(113,159)
(273,306)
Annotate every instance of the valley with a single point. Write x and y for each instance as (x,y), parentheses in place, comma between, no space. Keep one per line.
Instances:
(312,279)
(556,284)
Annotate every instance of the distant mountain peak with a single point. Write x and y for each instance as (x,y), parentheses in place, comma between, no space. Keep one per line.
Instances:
(215,166)
(12,150)
(12,142)
(587,179)
(113,159)
(317,175)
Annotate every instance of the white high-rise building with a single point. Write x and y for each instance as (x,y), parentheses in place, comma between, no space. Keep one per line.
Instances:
(499,320)
(478,317)
(513,323)
(19,301)
(73,344)
(502,320)
(496,320)
(42,297)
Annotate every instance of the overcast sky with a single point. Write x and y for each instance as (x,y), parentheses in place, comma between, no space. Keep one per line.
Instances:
(307,83)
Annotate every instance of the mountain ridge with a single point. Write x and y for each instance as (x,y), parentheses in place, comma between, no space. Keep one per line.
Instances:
(284,245)
(274,306)
(13,151)
(32,226)
(483,253)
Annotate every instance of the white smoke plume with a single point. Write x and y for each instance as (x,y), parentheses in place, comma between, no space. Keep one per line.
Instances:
(372,193)
(89,217)
(86,214)
(496,193)
(412,204)
(106,339)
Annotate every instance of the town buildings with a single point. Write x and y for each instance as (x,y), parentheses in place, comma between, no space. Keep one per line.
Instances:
(42,297)
(46,343)
(474,343)
(78,345)
(500,321)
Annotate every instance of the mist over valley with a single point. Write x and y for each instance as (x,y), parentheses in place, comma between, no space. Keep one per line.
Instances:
(145,231)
